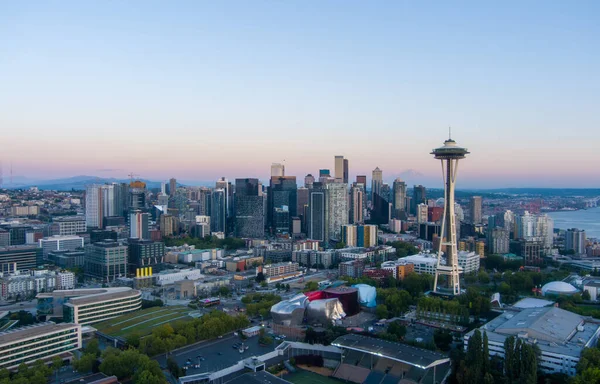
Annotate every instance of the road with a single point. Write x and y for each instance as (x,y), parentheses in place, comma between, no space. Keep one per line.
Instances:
(218,353)
(30,306)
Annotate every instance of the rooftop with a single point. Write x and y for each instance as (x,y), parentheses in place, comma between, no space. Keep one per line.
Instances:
(86,296)
(531,302)
(416,357)
(32,331)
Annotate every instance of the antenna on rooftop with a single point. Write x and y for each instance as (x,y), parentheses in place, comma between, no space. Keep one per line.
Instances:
(449,133)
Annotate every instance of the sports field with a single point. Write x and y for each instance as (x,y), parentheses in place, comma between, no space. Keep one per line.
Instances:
(306,377)
(142,322)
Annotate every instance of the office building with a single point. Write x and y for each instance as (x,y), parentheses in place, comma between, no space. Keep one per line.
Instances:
(218,211)
(277,170)
(168,225)
(341,169)
(359,235)
(106,261)
(575,240)
(357,198)
(68,225)
(138,225)
(449,155)
(302,204)
(351,268)
(67,259)
(399,200)
(279,271)
(309,180)
(249,208)
(475,207)
(225,185)
(42,341)
(376,182)
(317,213)
(26,257)
(559,335)
(281,219)
(93,206)
(337,209)
(137,195)
(172,187)
(282,192)
(419,197)
(422,213)
(60,243)
(144,253)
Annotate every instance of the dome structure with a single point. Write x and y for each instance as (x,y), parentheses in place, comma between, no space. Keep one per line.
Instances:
(558,288)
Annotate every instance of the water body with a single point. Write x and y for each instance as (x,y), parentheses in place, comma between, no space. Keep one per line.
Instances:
(588,219)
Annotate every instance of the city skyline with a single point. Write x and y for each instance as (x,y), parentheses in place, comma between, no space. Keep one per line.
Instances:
(202,90)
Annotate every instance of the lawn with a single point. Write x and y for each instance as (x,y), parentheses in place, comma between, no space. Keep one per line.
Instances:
(142,322)
(306,377)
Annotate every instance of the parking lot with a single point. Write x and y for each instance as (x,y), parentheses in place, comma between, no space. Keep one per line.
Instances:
(217,354)
(418,332)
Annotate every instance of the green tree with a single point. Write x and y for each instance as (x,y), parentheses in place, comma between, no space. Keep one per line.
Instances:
(85,363)
(442,339)
(586,295)
(397,328)
(174,368)
(381,311)
(311,286)
(92,347)
(260,277)
(133,339)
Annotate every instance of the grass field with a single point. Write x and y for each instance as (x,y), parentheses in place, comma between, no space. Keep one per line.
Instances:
(306,377)
(142,322)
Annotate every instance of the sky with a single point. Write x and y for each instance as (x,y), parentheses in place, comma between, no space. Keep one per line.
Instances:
(202,89)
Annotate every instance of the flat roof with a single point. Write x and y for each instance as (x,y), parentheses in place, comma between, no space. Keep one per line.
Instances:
(92,295)
(416,357)
(31,331)
(532,302)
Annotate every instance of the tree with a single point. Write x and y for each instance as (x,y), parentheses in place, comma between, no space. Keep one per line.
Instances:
(442,339)
(260,277)
(92,347)
(85,363)
(287,287)
(397,328)
(586,295)
(224,291)
(174,368)
(311,286)
(381,311)
(133,339)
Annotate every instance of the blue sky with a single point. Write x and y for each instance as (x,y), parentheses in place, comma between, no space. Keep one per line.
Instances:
(199,89)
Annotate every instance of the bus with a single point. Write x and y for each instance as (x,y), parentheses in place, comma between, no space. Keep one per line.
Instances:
(210,302)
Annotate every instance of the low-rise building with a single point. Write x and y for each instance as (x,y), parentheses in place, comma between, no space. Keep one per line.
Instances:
(560,336)
(60,243)
(279,271)
(40,341)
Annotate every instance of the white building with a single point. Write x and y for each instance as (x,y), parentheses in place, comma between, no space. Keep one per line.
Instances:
(560,335)
(60,243)
(422,213)
(65,280)
(28,210)
(170,277)
(69,225)
(423,262)
(40,341)
(93,206)
(337,208)
(468,261)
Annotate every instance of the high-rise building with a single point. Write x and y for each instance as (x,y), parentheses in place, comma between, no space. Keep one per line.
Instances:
(317,213)
(399,199)
(376,182)
(68,225)
(172,186)
(282,192)
(419,197)
(277,170)
(309,180)
(475,206)
(341,169)
(302,204)
(168,225)
(93,206)
(361,179)
(249,208)
(499,241)
(575,240)
(357,199)
(106,261)
(449,154)
(144,253)
(225,185)
(138,225)
(137,195)
(337,208)
(422,213)
(218,214)
(359,235)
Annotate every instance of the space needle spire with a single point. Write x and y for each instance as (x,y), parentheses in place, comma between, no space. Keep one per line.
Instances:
(449,154)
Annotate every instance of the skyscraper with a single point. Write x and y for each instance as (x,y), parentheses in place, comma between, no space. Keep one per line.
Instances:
(419,197)
(277,170)
(93,206)
(218,210)
(249,208)
(356,204)
(309,180)
(317,213)
(302,203)
(361,179)
(337,209)
(172,186)
(449,154)
(376,182)
(282,192)
(476,210)
(399,199)
(137,195)
(138,225)
(341,169)
(575,240)
(225,185)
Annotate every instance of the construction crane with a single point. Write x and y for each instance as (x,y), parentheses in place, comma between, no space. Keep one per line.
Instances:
(132,175)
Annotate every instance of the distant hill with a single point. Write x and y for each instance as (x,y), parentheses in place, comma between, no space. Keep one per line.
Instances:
(74,183)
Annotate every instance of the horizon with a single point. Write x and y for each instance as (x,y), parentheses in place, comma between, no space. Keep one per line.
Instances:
(200,90)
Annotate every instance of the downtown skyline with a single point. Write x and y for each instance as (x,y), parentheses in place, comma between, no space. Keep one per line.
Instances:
(201,91)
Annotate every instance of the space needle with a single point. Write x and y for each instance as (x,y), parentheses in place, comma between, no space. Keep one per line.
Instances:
(449,154)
